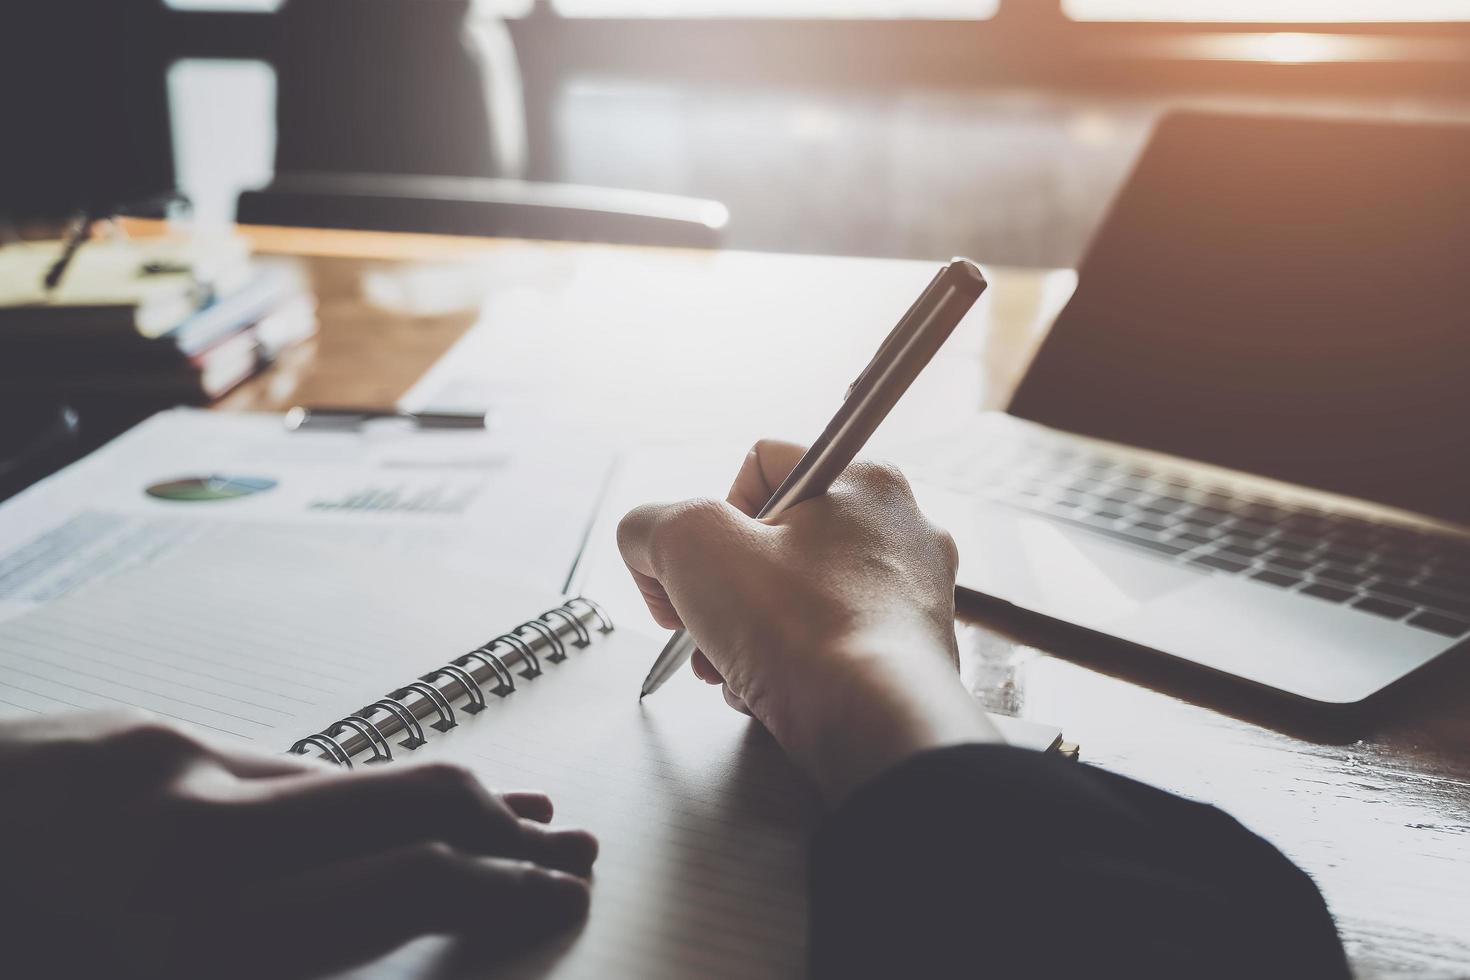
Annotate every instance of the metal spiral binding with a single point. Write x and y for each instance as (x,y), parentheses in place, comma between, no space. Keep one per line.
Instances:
(604,623)
(382,751)
(466,680)
(434,693)
(441,703)
(406,718)
(327,743)
(558,649)
(505,680)
(581,637)
(520,646)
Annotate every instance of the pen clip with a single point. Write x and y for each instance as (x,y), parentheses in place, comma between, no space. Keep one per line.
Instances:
(867,370)
(886,348)
(880,355)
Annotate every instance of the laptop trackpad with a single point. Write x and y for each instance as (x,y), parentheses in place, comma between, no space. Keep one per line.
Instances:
(1050,567)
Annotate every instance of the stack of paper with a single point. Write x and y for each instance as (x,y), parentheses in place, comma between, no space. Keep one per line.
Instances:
(182,319)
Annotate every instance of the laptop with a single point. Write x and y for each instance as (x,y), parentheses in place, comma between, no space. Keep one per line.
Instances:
(1245,442)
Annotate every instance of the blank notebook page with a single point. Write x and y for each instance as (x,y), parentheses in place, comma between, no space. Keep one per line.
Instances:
(254,634)
(702,821)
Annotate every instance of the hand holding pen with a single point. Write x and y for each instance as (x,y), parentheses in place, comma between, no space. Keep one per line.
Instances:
(834,626)
(900,358)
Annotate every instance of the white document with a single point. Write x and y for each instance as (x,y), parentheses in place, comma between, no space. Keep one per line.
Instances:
(259,636)
(745,344)
(519,501)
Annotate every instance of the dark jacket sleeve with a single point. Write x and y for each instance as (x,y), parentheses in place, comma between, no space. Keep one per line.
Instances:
(991,861)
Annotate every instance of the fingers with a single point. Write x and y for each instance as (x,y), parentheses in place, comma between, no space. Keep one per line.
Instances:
(138,749)
(705,670)
(361,909)
(765,466)
(635,542)
(660,607)
(657,538)
(876,482)
(710,674)
(284,826)
(636,533)
(258,765)
(572,851)
(136,746)
(770,461)
(734,700)
(642,530)
(529,805)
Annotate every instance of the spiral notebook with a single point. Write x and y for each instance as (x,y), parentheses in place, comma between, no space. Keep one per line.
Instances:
(702,821)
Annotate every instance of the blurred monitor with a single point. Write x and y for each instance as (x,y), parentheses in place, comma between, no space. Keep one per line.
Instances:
(1275,297)
(85,122)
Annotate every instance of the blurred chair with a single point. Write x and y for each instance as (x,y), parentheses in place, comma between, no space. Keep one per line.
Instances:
(406,115)
(485,206)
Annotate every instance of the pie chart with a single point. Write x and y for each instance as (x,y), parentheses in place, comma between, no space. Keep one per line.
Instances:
(194,489)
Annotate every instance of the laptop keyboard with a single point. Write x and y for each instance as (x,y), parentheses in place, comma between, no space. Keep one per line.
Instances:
(1385,570)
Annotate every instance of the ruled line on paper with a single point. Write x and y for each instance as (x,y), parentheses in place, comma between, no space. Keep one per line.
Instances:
(141,675)
(47,697)
(133,687)
(258,647)
(264,637)
(123,701)
(174,665)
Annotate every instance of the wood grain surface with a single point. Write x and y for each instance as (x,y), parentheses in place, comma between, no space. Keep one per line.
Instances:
(652,344)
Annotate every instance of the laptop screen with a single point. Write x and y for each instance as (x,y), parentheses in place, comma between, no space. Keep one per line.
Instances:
(1285,297)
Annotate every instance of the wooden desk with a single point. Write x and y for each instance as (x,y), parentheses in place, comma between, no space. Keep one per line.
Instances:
(1376,809)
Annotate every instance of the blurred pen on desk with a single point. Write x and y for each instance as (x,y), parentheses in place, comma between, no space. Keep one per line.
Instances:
(308,418)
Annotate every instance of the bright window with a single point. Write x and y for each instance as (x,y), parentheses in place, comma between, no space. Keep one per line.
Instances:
(792,9)
(1267,11)
(253,6)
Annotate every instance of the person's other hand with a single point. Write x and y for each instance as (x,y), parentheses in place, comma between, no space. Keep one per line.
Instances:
(833,624)
(130,848)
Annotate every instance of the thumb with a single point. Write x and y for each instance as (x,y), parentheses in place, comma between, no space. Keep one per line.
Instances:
(659,541)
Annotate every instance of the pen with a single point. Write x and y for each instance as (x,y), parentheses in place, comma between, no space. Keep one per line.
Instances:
(310,418)
(76,236)
(899,359)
